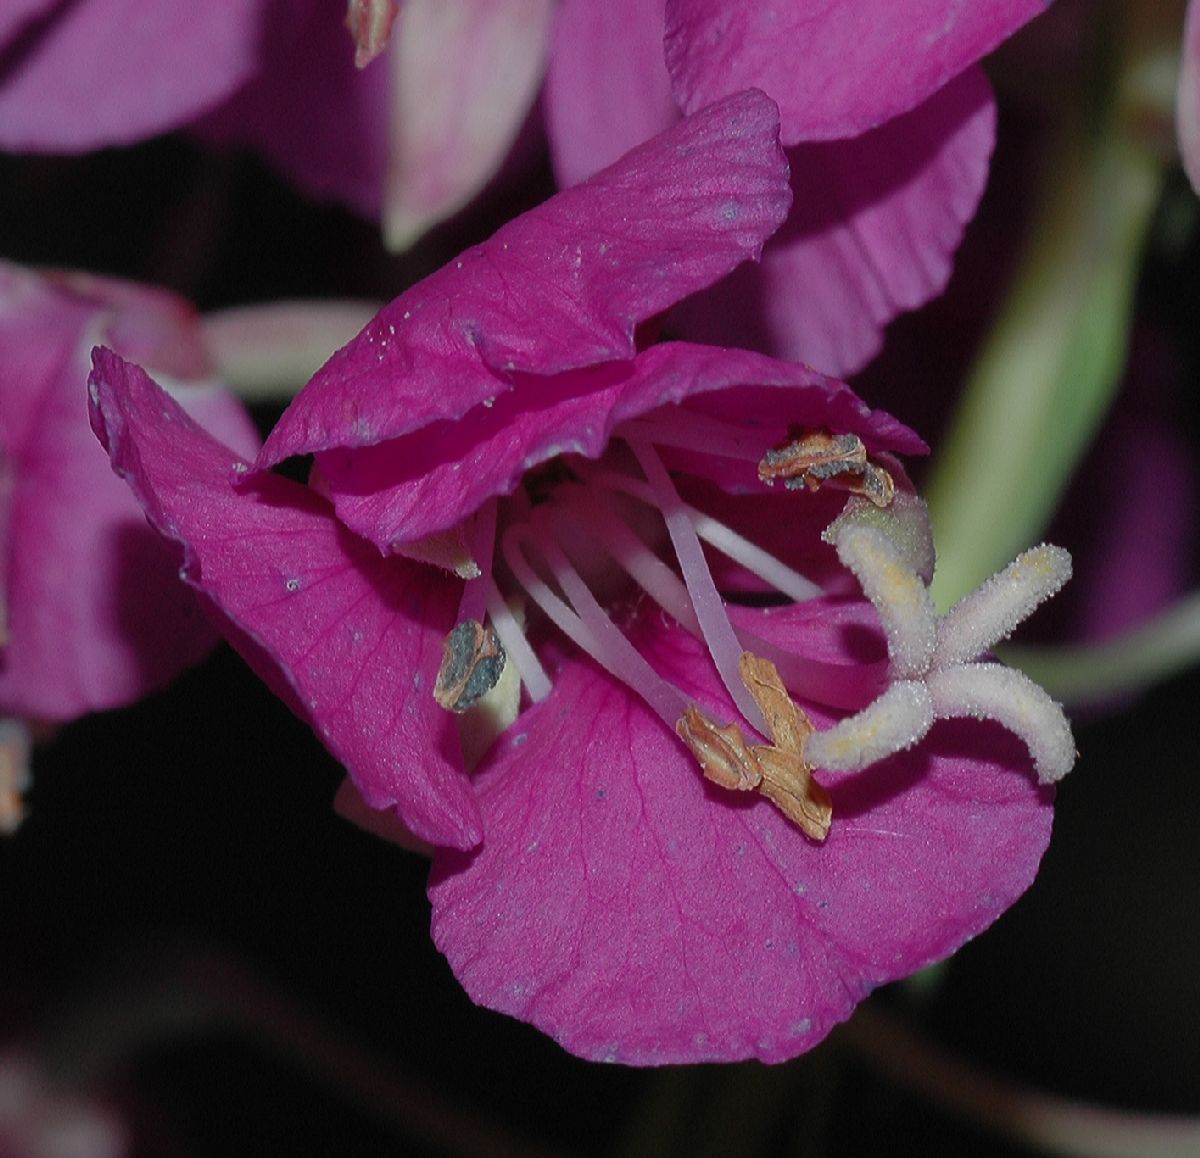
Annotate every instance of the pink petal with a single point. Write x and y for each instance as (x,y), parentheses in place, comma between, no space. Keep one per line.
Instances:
(465,73)
(562,287)
(873,231)
(1187,100)
(407,488)
(17,16)
(309,111)
(109,72)
(835,70)
(607,87)
(355,639)
(95,614)
(637,914)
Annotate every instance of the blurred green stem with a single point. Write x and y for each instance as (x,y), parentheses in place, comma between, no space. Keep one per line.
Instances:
(1046,374)
(267,352)
(1127,663)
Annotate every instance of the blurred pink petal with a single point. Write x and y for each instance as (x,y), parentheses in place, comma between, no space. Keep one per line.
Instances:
(19,16)
(607,87)
(109,72)
(835,70)
(464,76)
(874,226)
(96,615)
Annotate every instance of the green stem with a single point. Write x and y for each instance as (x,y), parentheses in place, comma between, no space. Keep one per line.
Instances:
(1047,373)
(1087,673)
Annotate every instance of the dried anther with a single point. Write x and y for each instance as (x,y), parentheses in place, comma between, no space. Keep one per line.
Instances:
(814,457)
(778,771)
(724,756)
(472,663)
(14,774)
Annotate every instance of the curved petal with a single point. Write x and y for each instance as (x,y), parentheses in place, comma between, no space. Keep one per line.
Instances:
(607,87)
(835,70)
(408,488)
(464,75)
(95,614)
(873,231)
(562,287)
(637,914)
(357,639)
(110,72)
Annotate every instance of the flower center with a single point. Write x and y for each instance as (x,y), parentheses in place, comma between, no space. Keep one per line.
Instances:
(558,543)
(578,523)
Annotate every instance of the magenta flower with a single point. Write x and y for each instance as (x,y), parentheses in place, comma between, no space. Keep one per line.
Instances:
(718,806)
(92,614)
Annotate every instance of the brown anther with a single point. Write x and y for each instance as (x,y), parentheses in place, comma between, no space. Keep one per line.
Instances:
(816,457)
(14,780)
(789,785)
(778,771)
(787,777)
(370,23)
(472,663)
(721,751)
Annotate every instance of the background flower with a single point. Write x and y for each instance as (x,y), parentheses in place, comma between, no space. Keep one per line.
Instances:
(95,614)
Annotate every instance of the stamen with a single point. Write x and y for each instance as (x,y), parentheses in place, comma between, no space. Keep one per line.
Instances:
(819,456)
(533,675)
(720,749)
(899,596)
(825,683)
(780,771)
(990,691)
(640,563)
(726,540)
(590,629)
(706,600)
(786,768)
(977,622)
(472,664)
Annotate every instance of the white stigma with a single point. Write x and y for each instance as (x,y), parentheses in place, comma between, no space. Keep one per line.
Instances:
(935,659)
